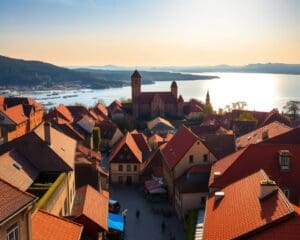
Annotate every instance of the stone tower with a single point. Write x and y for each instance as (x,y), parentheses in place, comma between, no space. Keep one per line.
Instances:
(135,84)
(174,89)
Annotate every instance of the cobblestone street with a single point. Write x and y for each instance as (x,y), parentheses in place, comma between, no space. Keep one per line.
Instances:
(148,226)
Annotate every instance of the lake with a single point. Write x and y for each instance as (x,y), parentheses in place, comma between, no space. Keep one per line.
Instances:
(262,92)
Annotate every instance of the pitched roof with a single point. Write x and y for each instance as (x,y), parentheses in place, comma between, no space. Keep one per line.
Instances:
(260,156)
(290,137)
(47,226)
(16,114)
(240,212)
(141,141)
(266,132)
(59,156)
(92,204)
(159,122)
(65,112)
(108,129)
(177,147)
(128,141)
(12,200)
(17,170)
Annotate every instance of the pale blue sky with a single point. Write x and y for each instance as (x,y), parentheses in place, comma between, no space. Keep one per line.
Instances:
(151,32)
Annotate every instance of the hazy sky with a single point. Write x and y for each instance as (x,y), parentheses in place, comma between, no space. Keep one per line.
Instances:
(151,32)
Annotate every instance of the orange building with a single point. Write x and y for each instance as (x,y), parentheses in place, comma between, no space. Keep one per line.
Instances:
(18,116)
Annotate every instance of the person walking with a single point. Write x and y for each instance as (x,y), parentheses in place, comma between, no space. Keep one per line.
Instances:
(137,214)
(163,227)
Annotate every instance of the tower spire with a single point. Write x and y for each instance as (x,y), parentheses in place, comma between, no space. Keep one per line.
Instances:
(207,100)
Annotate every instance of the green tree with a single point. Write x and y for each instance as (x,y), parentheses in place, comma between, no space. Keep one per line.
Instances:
(292,108)
(208,109)
(96,138)
(246,117)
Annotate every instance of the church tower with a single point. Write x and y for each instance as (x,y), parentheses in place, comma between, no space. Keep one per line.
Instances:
(174,89)
(135,84)
(207,100)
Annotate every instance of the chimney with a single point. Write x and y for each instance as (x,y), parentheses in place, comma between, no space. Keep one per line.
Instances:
(216,175)
(47,132)
(267,187)
(219,196)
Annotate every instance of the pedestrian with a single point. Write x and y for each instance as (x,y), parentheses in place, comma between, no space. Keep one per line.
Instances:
(163,227)
(137,214)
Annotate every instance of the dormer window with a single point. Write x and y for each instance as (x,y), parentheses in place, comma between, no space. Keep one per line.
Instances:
(284,160)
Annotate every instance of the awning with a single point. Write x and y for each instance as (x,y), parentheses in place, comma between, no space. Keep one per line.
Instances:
(116,222)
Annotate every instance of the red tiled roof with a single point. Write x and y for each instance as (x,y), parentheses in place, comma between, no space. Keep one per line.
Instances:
(47,226)
(128,141)
(16,114)
(289,229)
(260,156)
(17,170)
(12,200)
(273,129)
(290,137)
(92,204)
(64,111)
(240,212)
(141,141)
(177,147)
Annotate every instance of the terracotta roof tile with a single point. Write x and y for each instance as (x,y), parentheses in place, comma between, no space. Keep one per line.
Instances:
(260,156)
(155,138)
(64,111)
(12,200)
(128,141)
(16,114)
(176,148)
(240,212)
(92,204)
(261,134)
(17,170)
(47,226)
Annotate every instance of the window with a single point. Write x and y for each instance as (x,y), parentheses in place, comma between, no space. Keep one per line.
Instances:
(128,168)
(205,157)
(284,160)
(12,233)
(120,168)
(286,192)
(191,158)
(135,168)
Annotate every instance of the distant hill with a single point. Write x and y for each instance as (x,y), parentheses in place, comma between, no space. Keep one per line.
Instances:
(21,73)
(276,68)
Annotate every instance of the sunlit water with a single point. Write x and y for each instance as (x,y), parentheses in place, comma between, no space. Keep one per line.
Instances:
(262,92)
